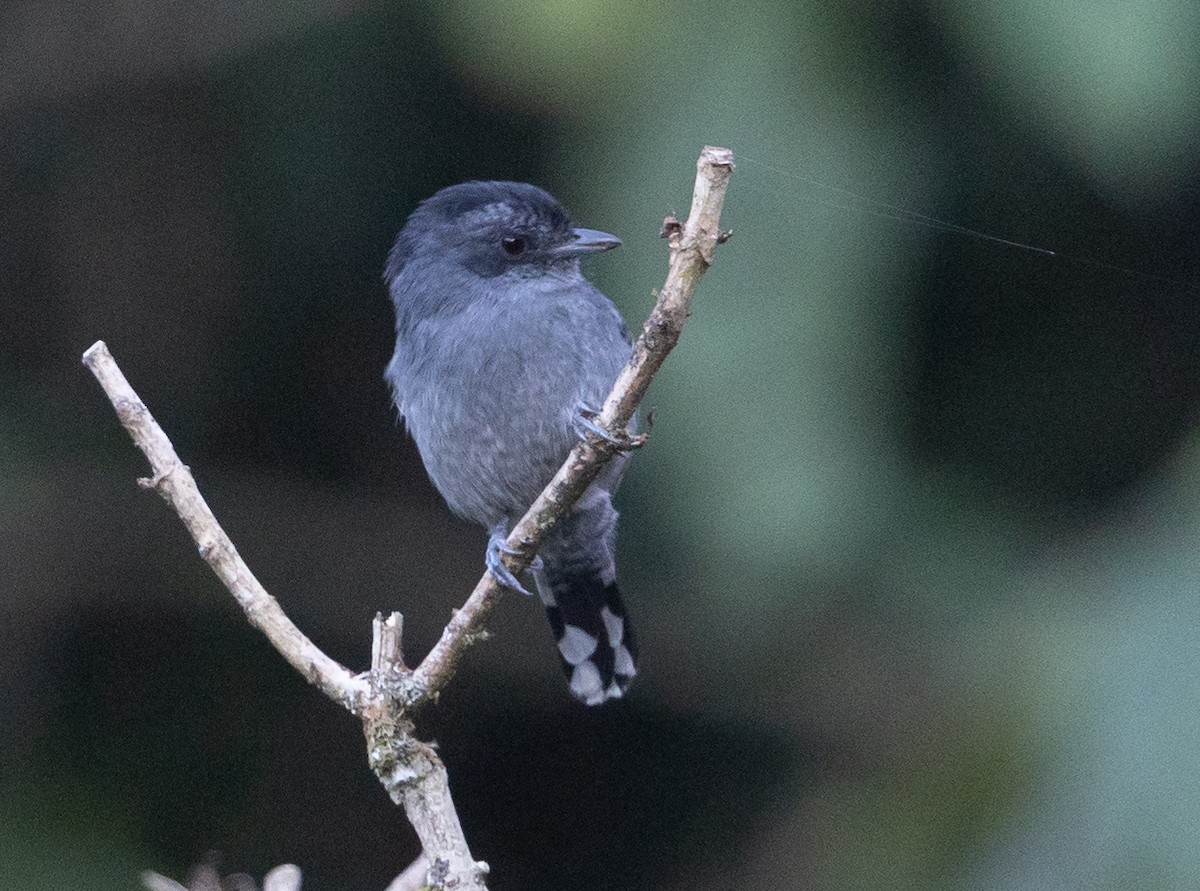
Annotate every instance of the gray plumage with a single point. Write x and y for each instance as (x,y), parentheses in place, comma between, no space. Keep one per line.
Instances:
(501,343)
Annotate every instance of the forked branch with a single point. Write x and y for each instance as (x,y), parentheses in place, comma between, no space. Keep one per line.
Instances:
(387,696)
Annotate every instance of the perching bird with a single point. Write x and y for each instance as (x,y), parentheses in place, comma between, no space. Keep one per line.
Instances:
(503,350)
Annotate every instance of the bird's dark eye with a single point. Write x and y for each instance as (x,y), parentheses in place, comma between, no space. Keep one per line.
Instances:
(513,245)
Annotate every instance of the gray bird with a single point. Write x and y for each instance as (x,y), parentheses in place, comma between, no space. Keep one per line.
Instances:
(503,352)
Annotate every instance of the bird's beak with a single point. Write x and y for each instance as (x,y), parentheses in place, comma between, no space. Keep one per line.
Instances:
(587,241)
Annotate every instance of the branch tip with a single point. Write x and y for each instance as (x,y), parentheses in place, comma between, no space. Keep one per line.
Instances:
(717,156)
(386,643)
(93,353)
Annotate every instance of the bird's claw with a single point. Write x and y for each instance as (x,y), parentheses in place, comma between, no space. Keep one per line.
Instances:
(497,547)
(584,422)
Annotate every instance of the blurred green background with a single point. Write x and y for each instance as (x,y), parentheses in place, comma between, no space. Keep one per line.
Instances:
(914,550)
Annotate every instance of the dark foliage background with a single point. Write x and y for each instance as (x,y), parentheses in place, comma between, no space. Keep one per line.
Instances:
(913,549)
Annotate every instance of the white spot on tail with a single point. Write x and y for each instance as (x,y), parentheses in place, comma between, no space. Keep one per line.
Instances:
(614,625)
(586,684)
(576,645)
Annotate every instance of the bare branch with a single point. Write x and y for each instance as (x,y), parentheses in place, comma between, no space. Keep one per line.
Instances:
(282,878)
(206,878)
(409,769)
(415,778)
(692,245)
(386,643)
(413,877)
(152,881)
(173,480)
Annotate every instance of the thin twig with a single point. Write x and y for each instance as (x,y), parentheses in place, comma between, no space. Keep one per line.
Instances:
(691,253)
(173,480)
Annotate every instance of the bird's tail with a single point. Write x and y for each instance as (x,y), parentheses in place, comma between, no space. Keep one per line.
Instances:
(595,640)
(577,585)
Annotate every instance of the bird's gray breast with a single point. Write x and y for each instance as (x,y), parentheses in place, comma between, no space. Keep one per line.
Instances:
(489,391)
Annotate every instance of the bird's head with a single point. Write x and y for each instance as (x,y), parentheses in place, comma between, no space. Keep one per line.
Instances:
(492,229)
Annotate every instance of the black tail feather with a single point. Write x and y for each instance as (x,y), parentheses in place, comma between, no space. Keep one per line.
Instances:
(595,640)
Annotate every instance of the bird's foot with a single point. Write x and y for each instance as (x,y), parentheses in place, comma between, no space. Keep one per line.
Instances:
(584,422)
(496,548)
